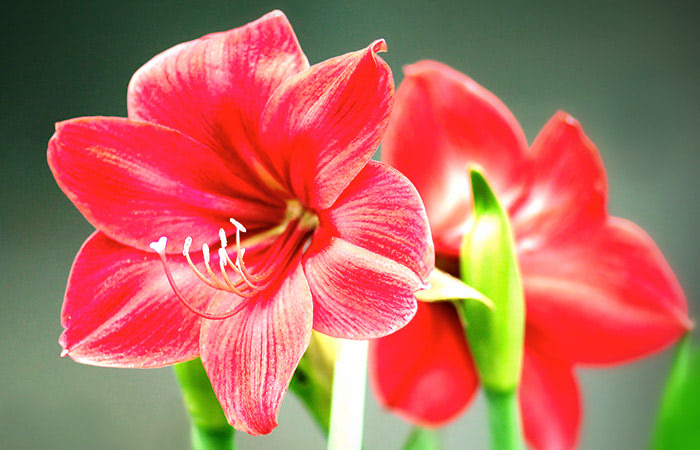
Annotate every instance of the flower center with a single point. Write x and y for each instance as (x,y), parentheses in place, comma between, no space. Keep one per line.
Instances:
(289,238)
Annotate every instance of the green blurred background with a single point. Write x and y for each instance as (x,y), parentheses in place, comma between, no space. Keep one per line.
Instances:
(628,71)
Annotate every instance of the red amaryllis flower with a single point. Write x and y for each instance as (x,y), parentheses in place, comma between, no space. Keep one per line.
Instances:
(597,289)
(234,133)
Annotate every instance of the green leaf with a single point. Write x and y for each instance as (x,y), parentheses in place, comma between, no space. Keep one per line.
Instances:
(422,439)
(488,263)
(313,379)
(210,429)
(678,423)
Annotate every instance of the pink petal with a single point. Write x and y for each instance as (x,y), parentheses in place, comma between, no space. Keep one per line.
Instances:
(443,121)
(214,89)
(607,297)
(550,400)
(424,372)
(381,211)
(357,294)
(321,127)
(137,181)
(120,311)
(569,190)
(251,357)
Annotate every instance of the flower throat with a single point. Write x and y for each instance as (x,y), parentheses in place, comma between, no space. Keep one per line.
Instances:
(290,237)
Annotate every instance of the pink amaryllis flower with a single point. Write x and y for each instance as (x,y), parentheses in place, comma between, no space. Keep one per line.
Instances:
(597,289)
(234,143)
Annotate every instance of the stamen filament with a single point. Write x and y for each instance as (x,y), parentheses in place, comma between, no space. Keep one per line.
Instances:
(223,258)
(207,259)
(159,247)
(200,275)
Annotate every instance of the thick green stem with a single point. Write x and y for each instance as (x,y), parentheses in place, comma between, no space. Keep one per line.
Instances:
(422,439)
(504,420)
(313,378)
(210,429)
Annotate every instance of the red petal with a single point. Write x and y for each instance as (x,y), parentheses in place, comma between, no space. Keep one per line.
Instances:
(214,88)
(381,211)
(424,372)
(569,190)
(137,181)
(119,309)
(550,400)
(443,121)
(357,294)
(321,127)
(607,297)
(251,357)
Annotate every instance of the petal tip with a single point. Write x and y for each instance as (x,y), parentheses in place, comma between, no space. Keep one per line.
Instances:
(275,14)
(378,46)
(566,118)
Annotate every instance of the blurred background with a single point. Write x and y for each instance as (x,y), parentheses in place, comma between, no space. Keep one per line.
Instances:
(629,71)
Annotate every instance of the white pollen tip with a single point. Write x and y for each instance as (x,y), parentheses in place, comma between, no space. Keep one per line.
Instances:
(223,256)
(186,246)
(159,245)
(222,236)
(205,252)
(239,226)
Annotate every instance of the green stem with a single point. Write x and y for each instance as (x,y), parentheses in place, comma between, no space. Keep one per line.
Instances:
(422,439)
(210,429)
(504,420)
(348,401)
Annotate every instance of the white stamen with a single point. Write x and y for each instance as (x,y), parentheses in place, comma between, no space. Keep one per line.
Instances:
(186,246)
(239,226)
(223,258)
(222,236)
(239,257)
(159,245)
(205,253)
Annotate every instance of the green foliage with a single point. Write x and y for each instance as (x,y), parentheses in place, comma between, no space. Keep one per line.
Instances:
(422,439)
(678,424)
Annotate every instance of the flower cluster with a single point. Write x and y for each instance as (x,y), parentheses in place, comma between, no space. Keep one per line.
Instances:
(237,209)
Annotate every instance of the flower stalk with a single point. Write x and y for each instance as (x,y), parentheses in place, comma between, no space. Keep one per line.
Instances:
(210,429)
(313,378)
(504,419)
(348,401)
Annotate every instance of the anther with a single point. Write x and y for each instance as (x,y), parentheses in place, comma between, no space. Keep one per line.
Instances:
(186,246)
(239,226)
(205,253)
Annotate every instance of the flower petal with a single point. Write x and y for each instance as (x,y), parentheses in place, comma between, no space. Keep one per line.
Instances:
(357,294)
(381,211)
(606,298)
(322,126)
(550,400)
(120,311)
(251,357)
(570,190)
(443,121)
(424,372)
(214,89)
(137,181)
